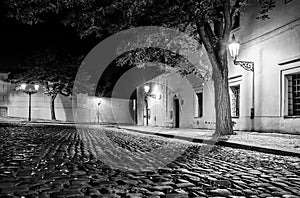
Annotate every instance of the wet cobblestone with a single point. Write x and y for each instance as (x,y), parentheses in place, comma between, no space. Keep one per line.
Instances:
(57,161)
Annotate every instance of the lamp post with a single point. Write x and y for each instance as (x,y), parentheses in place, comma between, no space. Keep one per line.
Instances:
(98,110)
(234,48)
(29,89)
(147,89)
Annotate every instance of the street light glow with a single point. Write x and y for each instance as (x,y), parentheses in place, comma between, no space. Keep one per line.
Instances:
(147,88)
(23,86)
(234,48)
(36,87)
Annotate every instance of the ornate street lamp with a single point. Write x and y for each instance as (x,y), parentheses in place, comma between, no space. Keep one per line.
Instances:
(234,47)
(98,109)
(147,90)
(29,89)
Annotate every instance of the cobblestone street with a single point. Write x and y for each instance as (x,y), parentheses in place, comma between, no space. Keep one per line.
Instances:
(60,161)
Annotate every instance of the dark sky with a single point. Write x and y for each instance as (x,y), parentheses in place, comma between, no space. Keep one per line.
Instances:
(18,40)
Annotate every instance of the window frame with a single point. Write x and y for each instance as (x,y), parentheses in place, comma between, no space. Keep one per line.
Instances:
(237,107)
(291,93)
(292,68)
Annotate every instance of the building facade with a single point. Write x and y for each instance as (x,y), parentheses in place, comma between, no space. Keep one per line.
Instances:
(271,91)
(3,93)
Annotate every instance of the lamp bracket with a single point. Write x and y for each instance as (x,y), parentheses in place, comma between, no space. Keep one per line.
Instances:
(247,65)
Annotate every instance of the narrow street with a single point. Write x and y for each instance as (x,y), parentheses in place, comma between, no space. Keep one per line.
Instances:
(61,161)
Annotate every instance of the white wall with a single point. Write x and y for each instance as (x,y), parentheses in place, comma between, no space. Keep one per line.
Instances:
(80,108)
(111,110)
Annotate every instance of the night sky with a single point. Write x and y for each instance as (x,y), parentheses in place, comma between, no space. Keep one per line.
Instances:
(17,40)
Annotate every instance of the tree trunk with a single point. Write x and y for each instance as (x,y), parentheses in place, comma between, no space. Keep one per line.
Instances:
(52,107)
(217,54)
(222,103)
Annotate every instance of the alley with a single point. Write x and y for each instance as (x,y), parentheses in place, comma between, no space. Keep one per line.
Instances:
(64,161)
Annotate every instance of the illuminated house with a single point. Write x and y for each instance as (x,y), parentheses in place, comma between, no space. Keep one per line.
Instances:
(271,92)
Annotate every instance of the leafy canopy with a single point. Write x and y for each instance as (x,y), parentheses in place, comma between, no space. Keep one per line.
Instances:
(54,70)
(208,21)
(107,17)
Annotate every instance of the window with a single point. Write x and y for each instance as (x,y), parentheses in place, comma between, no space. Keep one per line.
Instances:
(235,101)
(3,111)
(2,87)
(199,105)
(2,98)
(293,94)
(236,21)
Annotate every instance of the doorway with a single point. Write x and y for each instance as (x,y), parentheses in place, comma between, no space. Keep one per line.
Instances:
(176,113)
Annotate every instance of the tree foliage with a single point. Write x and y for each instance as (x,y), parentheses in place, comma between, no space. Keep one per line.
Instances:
(54,71)
(106,17)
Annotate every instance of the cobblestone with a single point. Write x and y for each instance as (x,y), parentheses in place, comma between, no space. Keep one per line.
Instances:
(59,161)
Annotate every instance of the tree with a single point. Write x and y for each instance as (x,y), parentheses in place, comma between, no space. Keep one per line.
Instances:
(209,21)
(54,71)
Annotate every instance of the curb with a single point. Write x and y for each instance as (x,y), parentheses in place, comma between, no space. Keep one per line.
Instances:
(222,143)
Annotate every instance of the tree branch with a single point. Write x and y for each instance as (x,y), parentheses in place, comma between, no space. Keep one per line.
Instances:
(210,34)
(208,45)
(227,20)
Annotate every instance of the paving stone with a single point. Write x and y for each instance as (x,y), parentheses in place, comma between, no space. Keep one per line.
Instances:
(156,193)
(175,195)
(162,188)
(109,196)
(290,196)
(265,195)
(185,185)
(134,195)
(249,192)
(221,192)
(167,183)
